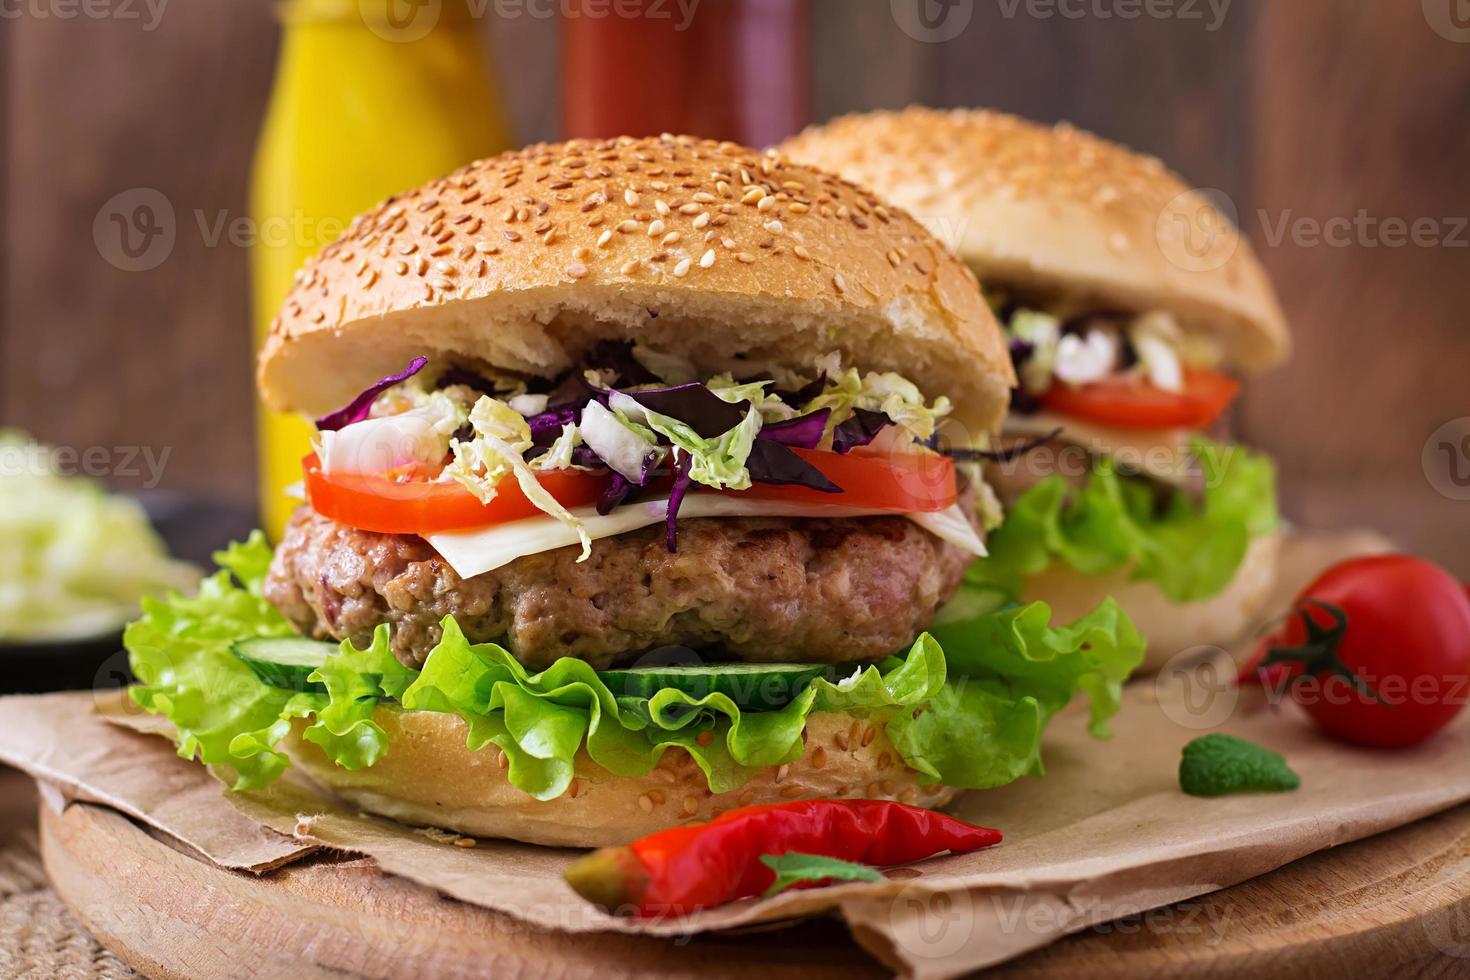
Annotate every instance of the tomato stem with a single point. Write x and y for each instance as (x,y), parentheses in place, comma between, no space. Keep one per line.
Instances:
(1319,654)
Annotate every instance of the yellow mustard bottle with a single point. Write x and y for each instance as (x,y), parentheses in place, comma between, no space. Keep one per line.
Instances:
(371,97)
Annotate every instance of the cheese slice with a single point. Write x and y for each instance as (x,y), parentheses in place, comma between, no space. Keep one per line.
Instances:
(479,550)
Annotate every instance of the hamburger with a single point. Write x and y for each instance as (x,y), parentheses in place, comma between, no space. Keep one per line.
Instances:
(643,488)
(1130,304)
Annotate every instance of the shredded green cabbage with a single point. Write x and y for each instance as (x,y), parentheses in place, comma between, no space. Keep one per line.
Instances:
(74,560)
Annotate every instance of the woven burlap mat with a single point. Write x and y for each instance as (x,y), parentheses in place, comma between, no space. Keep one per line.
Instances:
(39,937)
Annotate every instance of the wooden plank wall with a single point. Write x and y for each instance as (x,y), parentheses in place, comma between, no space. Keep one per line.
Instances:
(1303,109)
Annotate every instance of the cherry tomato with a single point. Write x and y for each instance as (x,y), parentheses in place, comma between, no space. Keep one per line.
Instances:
(899,482)
(1377,651)
(1133,403)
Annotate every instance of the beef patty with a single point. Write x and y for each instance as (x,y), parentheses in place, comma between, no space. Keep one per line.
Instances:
(753,589)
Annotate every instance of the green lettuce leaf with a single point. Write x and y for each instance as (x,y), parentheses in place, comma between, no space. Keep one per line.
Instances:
(180,653)
(965,706)
(1191,551)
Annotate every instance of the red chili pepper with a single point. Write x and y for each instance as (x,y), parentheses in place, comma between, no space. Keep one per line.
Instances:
(682,869)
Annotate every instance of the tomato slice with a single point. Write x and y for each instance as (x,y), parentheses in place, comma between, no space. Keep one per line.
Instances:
(1132,403)
(899,483)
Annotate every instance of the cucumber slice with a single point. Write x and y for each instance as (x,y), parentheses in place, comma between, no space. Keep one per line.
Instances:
(285,662)
(754,687)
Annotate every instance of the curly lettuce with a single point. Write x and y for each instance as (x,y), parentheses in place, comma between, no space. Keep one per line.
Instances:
(1190,550)
(965,705)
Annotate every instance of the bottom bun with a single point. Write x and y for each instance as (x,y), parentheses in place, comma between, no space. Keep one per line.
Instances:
(1170,628)
(429,778)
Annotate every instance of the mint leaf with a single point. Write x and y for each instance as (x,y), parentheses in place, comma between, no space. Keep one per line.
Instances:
(1218,765)
(795,868)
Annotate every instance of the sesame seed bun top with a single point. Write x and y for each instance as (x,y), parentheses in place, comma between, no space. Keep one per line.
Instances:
(1057,211)
(703,249)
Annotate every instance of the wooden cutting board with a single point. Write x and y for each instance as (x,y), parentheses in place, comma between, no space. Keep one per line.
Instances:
(1397,905)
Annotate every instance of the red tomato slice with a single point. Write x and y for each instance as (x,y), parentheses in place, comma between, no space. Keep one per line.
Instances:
(1132,403)
(900,483)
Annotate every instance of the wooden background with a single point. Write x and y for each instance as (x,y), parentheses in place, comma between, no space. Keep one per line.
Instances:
(1297,109)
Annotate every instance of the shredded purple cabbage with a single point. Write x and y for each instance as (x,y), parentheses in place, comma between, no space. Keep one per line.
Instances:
(804,431)
(357,409)
(805,393)
(773,463)
(696,406)
(617,356)
(859,430)
(546,427)
(676,500)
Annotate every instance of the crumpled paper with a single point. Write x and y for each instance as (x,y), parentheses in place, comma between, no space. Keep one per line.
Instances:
(1106,833)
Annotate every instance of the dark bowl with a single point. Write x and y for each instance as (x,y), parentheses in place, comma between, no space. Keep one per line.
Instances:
(193,528)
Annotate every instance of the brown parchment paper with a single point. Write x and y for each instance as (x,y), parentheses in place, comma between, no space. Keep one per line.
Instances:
(1105,834)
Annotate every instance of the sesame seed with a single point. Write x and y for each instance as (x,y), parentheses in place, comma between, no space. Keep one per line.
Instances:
(775,226)
(873,790)
(802,253)
(690,209)
(630,267)
(747,797)
(840,284)
(691,806)
(655,228)
(671,238)
(630,197)
(645,803)
(869,734)
(754,196)
(766,204)
(708,259)
(603,239)
(628,226)
(578,271)
(682,269)
(661,207)
(502,760)
(799,208)
(791,792)
(819,757)
(702,220)
(884,760)
(745,257)
(464,842)
(840,740)
(581,252)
